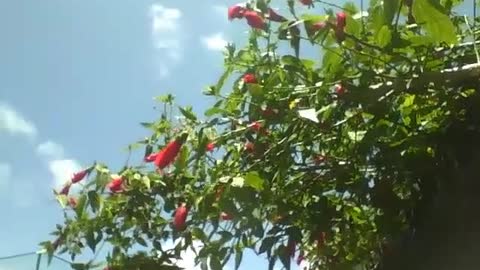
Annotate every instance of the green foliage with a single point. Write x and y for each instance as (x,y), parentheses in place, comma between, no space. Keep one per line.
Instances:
(336,171)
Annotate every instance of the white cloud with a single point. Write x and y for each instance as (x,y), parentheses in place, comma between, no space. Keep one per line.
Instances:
(62,170)
(166,35)
(5,175)
(215,42)
(14,123)
(50,150)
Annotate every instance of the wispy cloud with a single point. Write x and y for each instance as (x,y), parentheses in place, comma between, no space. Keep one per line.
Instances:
(215,42)
(165,25)
(60,167)
(14,123)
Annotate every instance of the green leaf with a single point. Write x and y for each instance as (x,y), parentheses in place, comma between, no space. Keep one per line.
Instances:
(267,244)
(437,24)
(198,233)
(94,200)
(90,237)
(238,258)
(215,263)
(357,136)
(82,200)
(62,200)
(252,179)
(188,113)
(167,99)
(384,36)
(390,9)
(255,89)
(332,60)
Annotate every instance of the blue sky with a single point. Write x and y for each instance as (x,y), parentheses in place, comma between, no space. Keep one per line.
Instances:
(76,79)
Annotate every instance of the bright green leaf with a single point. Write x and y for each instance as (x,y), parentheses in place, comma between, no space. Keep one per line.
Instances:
(252,179)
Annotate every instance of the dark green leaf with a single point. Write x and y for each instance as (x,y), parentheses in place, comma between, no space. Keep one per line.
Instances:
(436,22)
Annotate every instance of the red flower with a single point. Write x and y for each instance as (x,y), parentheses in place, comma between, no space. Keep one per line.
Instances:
(235,12)
(341,20)
(225,216)
(340,35)
(254,19)
(300,258)
(321,239)
(65,189)
(319,159)
(318,26)
(291,247)
(150,158)
(256,126)
(249,147)
(339,89)
(116,185)
(72,202)
(78,176)
(210,147)
(249,78)
(219,192)
(306,2)
(180,217)
(275,17)
(168,154)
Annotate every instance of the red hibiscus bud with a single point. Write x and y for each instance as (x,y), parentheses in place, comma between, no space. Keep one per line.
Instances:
(249,78)
(249,147)
(150,158)
(116,185)
(301,257)
(225,216)
(78,176)
(255,126)
(339,35)
(180,217)
(306,2)
(275,17)
(339,89)
(235,12)
(66,189)
(169,153)
(72,202)
(321,239)
(210,147)
(291,247)
(341,20)
(319,159)
(318,26)
(254,20)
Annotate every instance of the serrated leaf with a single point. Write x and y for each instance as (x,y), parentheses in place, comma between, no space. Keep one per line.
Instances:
(252,179)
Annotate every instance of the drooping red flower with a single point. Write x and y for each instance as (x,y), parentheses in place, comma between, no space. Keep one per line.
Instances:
(254,19)
(116,185)
(291,247)
(235,12)
(72,202)
(275,17)
(150,158)
(66,189)
(306,2)
(249,78)
(339,35)
(249,147)
(318,26)
(210,147)
(167,155)
(321,239)
(219,192)
(180,217)
(341,20)
(225,216)
(79,176)
(301,257)
(339,89)
(255,126)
